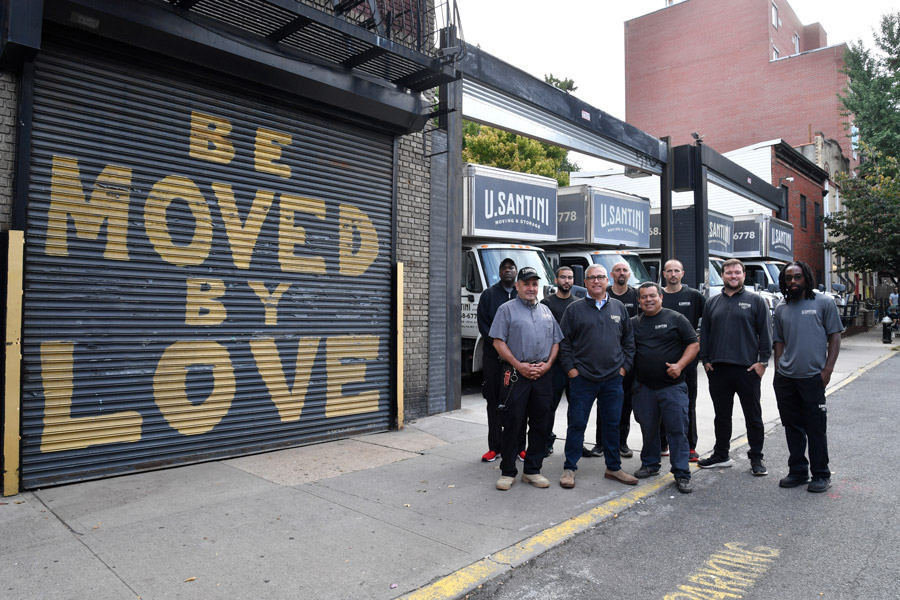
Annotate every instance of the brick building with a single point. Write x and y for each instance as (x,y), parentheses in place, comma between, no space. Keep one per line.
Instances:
(756,72)
(738,72)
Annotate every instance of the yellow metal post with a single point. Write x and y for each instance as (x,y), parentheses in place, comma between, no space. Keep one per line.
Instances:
(12,398)
(399,334)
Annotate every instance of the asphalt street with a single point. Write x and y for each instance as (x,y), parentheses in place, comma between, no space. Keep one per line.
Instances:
(740,536)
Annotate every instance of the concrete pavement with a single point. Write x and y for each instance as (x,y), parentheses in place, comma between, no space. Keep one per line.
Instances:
(411,512)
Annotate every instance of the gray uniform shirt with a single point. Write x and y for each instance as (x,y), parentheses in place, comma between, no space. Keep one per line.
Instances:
(803,326)
(528,329)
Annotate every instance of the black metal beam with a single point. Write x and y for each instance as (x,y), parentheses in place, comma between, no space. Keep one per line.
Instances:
(512,81)
(20,37)
(162,30)
(756,188)
(289,28)
(363,57)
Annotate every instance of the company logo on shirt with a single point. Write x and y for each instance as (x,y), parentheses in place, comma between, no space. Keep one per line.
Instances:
(744,305)
(615,318)
(688,303)
(810,311)
(662,326)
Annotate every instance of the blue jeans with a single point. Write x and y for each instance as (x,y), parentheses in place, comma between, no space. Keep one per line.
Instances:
(609,397)
(668,405)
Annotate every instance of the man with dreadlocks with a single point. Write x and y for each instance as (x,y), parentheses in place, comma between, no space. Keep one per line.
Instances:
(807,336)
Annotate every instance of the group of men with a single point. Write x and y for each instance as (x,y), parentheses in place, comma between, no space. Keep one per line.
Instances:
(637,351)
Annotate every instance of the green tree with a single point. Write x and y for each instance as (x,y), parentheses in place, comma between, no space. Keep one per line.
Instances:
(492,147)
(868,225)
(871,98)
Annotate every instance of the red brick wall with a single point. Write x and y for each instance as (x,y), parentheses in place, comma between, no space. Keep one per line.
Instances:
(807,243)
(705,65)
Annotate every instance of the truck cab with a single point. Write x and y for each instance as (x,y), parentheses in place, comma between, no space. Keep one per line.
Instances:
(570,257)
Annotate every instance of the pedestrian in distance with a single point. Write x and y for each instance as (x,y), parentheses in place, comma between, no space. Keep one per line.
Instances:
(735,347)
(596,352)
(526,336)
(807,334)
(690,303)
(627,295)
(558,302)
(665,344)
(491,300)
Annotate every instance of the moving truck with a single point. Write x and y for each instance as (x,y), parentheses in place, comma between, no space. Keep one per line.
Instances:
(600,226)
(504,212)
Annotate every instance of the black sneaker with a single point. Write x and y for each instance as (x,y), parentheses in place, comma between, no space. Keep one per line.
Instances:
(683,485)
(819,485)
(715,462)
(758,468)
(625,451)
(793,480)
(644,472)
(595,451)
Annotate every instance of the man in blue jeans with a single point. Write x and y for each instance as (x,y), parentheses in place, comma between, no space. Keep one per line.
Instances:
(597,351)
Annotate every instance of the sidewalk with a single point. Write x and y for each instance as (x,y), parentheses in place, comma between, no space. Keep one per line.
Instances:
(374,516)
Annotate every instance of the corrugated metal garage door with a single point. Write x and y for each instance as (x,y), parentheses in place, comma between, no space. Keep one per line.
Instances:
(207,274)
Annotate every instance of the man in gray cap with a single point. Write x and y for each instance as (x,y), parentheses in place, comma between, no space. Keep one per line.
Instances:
(526,336)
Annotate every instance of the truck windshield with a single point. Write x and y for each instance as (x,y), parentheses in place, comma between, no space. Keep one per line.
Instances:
(774,270)
(639,272)
(523,257)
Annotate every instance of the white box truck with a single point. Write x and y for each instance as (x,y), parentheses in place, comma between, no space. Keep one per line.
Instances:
(504,212)
(600,226)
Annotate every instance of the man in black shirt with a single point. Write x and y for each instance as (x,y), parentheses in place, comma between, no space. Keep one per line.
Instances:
(558,302)
(665,343)
(735,348)
(689,302)
(624,293)
(491,299)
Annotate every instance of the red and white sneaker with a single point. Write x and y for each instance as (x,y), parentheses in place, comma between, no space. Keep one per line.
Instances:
(693,456)
(489,456)
(522,456)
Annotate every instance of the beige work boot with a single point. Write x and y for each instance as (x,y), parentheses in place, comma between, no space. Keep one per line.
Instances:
(621,476)
(567,480)
(536,479)
(505,482)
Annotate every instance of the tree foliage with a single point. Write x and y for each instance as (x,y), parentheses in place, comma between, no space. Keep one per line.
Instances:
(868,225)
(492,147)
(872,96)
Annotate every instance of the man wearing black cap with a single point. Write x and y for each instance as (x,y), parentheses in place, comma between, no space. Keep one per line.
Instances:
(491,299)
(526,336)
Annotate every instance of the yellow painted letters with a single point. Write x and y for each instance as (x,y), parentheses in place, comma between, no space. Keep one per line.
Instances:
(170,386)
(242,235)
(108,203)
(166,191)
(209,138)
(288,401)
(268,149)
(201,306)
(270,301)
(62,431)
(345,365)
(291,235)
(354,220)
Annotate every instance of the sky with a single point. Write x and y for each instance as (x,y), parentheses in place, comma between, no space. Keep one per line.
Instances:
(584,40)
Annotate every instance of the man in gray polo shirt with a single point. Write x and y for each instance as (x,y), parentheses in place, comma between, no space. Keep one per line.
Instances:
(526,336)
(807,335)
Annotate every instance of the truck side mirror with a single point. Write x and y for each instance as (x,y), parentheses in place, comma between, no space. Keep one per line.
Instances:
(759,279)
(578,272)
(654,273)
(773,287)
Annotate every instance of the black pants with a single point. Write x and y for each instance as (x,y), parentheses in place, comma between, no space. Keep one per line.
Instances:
(529,401)
(491,388)
(726,380)
(690,378)
(801,404)
(560,384)
(625,420)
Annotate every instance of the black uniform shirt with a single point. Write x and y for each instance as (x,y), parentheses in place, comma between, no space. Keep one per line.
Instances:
(658,340)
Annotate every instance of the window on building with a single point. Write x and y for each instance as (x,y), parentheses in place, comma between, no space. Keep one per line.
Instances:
(775,53)
(802,211)
(796,43)
(774,15)
(817,215)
